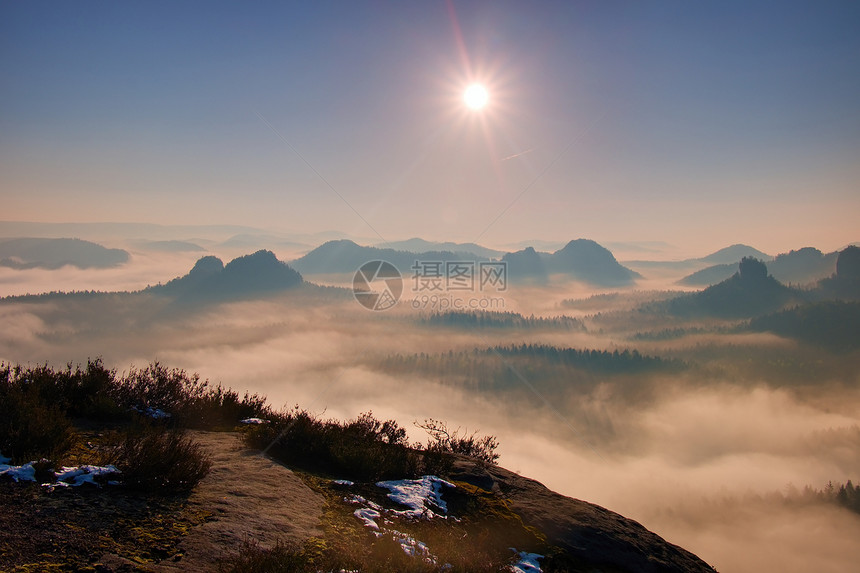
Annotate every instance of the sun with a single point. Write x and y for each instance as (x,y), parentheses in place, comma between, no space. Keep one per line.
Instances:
(476,96)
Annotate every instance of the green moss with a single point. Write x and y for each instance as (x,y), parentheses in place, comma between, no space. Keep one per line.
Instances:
(78,526)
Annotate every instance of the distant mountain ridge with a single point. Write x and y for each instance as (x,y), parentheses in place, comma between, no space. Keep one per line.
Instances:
(31,252)
(417,245)
(252,240)
(171,246)
(581,259)
(345,256)
(803,266)
(730,256)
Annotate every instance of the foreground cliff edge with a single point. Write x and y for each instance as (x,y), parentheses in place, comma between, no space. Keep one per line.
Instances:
(279,507)
(250,508)
(590,536)
(156,470)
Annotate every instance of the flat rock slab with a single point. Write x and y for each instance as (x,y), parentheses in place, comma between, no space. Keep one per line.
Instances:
(253,498)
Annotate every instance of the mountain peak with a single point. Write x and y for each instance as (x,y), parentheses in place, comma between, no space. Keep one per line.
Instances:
(848,264)
(734,253)
(583,243)
(589,261)
(208,265)
(752,270)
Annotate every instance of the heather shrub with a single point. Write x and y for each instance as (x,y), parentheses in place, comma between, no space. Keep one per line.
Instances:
(156,459)
(444,440)
(157,387)
(191,403)
(363,449)
(30,427)
(221,407)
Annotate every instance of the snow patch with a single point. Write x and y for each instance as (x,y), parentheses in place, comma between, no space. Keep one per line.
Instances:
(359,500)
(79,475)
(68,476)
(254,421)
(18,473)
(412,546)
(528,562)
(368,517)
(421,496)
(154,413)
(345,482)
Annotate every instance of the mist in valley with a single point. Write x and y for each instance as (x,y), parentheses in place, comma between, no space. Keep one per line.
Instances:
(706,438)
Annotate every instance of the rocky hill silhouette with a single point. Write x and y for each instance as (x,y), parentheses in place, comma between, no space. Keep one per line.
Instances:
(844,284)
(245,277)
(526,266)
(581,259)
(848,264)
(749,292)
(588,261)
(28,253)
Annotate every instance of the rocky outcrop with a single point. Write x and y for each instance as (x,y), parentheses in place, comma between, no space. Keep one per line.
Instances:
(593,538)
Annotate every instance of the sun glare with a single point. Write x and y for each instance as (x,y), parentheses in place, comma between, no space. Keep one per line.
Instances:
(476,96)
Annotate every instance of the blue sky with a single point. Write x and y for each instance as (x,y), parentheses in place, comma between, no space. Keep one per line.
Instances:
(686,122)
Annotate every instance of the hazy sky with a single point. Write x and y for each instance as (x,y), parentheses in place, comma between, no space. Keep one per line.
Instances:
(687,122)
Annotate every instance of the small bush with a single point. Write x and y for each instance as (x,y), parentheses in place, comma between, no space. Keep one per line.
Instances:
(79,393)
(86,393)
(222,408)
(158,387)
(436,462)
(443,440)
(30,427)
(364,449)
(156,459)
(192,403)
